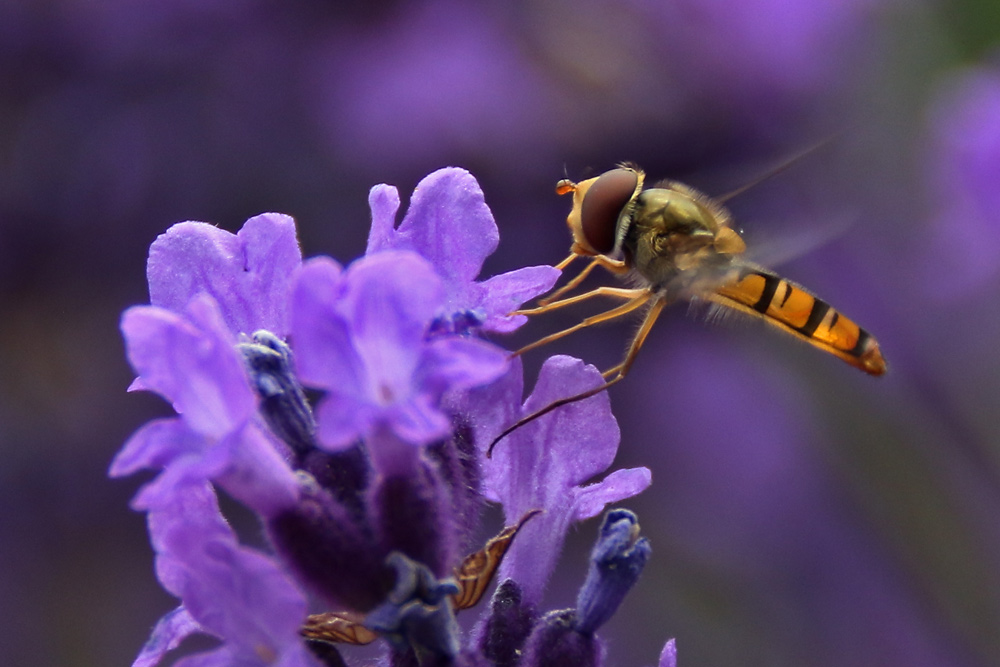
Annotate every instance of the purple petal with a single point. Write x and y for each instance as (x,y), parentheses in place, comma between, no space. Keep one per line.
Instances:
(192,362)
(580,438)
(228,655)
(246,464)
(366,344)
(254,472)
(296,655)
(324,351)
(168,634)
(493,408)
(155,445)
(449,223)
(390,301)
(533,555)
(619,485)
(540,465)
(383,200)
(462,363)
(238,594)
(248,273)
(507,292)
(248,599)
(360,335)
(419,421)
(193,505)
(170,484)
(341,420)
(668,657)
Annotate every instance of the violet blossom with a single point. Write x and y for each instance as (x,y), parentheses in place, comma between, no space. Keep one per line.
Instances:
(457,251)
(208,286)
(370,506)
(361,335)
(545,462)
(230,591)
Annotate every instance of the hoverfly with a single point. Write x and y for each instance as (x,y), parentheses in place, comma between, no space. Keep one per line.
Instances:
(676,243)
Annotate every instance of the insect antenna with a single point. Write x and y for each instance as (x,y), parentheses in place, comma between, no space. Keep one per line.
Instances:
(775,170)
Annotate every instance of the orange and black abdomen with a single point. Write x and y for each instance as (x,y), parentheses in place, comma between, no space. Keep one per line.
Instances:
(791,308)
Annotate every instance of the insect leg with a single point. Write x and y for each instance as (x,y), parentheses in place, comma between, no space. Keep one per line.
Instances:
(637,342)
(637,301)
(563,264)
(568,286)
(614,266)
(621,370)
(618,292)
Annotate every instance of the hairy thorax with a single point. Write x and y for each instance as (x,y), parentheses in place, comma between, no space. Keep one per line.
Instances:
(673,242)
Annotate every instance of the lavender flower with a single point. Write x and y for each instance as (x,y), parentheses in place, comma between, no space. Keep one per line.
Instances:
(369,506)
(457,251)
(235,593)
(206,287)
(190,358)
(362,336)
(248,273)
(544,463)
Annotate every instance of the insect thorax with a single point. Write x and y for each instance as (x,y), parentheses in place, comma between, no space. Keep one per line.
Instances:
(671,241)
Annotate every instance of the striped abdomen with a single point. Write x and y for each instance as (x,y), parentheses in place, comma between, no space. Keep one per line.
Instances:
(793,309)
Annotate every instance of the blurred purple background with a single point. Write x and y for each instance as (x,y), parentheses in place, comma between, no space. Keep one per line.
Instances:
(801,513)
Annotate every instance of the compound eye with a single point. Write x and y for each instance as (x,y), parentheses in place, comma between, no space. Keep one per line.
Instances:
(603,204)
